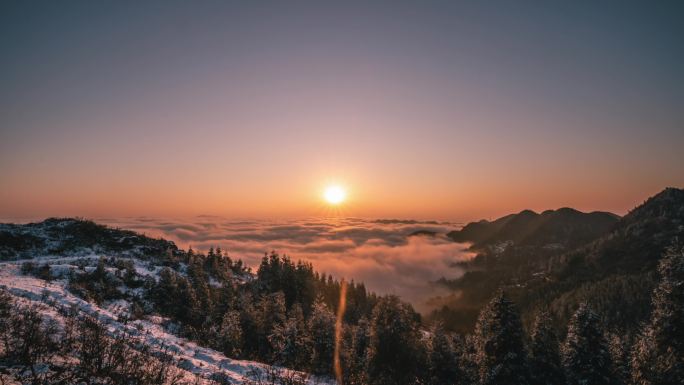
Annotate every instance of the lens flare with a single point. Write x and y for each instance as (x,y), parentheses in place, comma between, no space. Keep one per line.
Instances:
(338,331)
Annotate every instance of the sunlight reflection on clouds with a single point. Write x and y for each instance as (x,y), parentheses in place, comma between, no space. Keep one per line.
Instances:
(378,252)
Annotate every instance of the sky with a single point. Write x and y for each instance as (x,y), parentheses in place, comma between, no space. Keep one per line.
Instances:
(445,110)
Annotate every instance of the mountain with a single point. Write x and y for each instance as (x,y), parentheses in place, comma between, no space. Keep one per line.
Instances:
(477,232)
(162,315)
(60,236)
(149,342)
(638,239)
(66,271)
(562,228)
(605,261)
(76,292)
(423,233)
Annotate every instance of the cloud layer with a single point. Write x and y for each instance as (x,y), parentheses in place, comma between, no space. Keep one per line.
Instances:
(380,253)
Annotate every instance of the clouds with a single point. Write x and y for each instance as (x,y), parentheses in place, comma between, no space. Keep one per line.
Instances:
(380,253)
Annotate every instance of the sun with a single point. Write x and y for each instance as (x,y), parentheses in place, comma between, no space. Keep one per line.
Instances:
(334,195)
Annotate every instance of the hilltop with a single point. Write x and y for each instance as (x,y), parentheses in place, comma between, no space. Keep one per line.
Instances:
(565,228)
(558,259)
(72,236)
(189,317)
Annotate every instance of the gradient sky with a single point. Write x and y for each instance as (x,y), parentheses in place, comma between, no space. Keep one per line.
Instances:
(446,110)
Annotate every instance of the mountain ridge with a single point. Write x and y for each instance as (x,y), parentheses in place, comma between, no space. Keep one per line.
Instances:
(74,235)
(565,226)
(613,272)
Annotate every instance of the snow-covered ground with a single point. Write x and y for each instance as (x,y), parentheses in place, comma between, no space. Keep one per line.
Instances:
(189,357)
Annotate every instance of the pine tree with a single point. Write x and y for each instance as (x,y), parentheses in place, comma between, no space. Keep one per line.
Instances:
(291,341)
(230,334)
(322,330)
(394,344)
(250,326)
(545,365)
(164,292)
(467,359)
(226,299)
(355,354)
(585,353)
(271,314)
(442,358)
(186,304)
(658,354)
(500,352)
(618,345)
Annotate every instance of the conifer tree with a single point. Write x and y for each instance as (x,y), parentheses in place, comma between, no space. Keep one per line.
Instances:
(442,358)
(200,285)
(230,334)
(467,360)
(291,341)
(226,299)
(658,354)
(322,330)
(394,344)
(500,352)
(545,364)
(164,292)
(271,314)
(585,353)
(619,347)
(250,325)
(186,304)
(355,354)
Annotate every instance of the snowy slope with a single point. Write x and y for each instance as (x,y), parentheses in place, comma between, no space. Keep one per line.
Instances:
(188,356)
(74,237)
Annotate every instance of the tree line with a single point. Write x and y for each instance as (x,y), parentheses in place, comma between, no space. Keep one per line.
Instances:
(285,315)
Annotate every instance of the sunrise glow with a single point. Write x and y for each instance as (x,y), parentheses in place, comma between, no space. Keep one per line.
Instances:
(334,195)
(345,191)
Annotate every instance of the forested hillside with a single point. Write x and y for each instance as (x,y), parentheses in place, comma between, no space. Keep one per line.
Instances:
(563,228)
(52,337)
(283,314)
(84,303)
(614,272)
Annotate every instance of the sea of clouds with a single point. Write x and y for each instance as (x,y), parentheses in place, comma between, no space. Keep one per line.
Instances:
(381,253)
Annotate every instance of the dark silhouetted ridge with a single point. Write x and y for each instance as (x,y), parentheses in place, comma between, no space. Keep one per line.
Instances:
(565,227)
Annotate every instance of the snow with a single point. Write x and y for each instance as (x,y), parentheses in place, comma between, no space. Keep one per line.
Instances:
(53,295)
(155,331)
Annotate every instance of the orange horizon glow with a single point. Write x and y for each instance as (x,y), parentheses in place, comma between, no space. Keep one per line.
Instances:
(444,111)
(466,205)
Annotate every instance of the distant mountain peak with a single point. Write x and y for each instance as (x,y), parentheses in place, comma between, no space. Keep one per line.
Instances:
(606,260)
(565,226)
(565,210)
